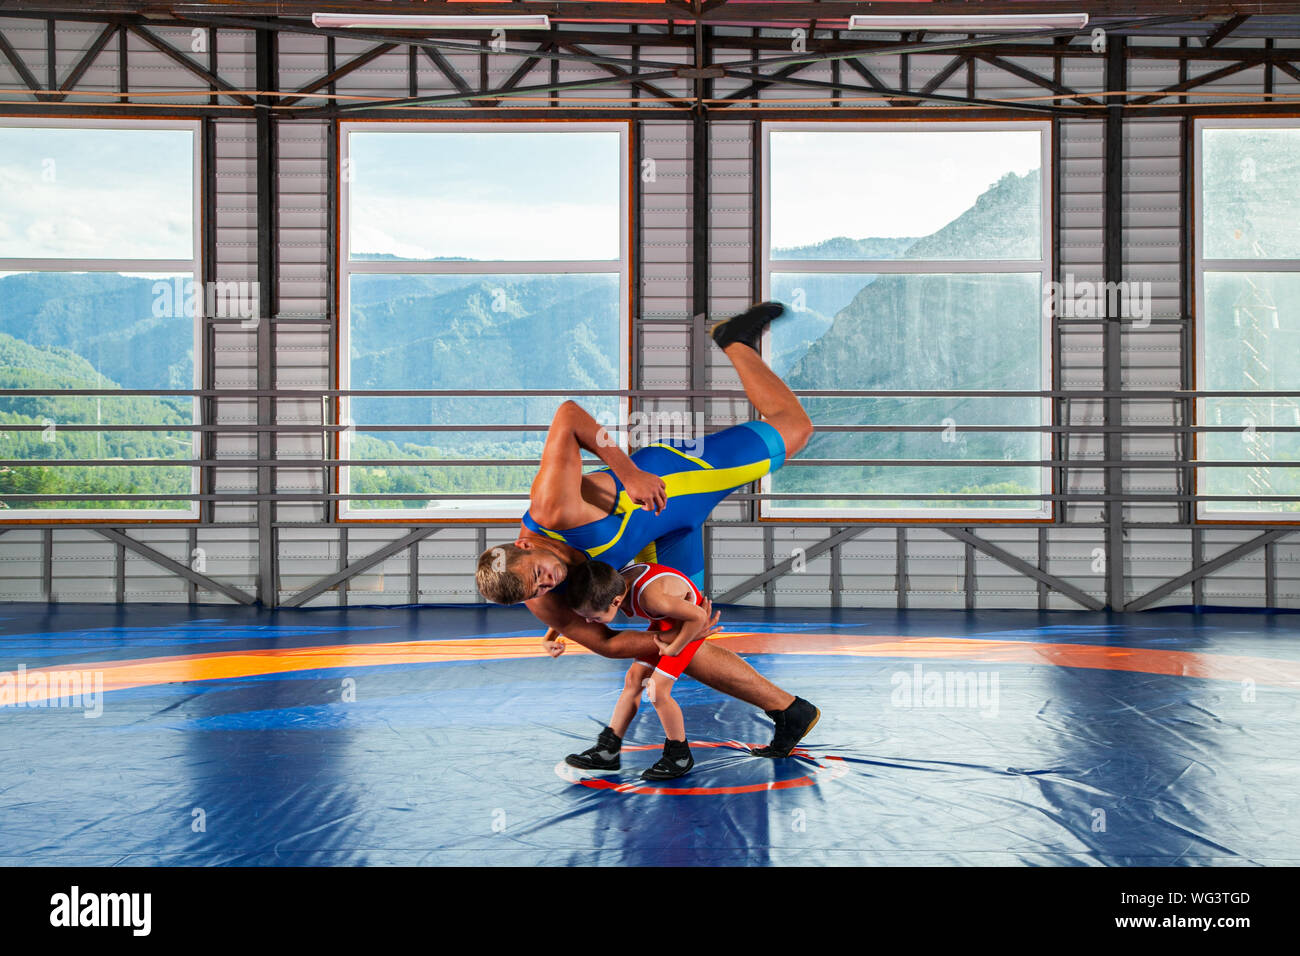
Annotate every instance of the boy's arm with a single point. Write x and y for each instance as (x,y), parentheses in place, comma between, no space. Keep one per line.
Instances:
(664,598)
(558,484)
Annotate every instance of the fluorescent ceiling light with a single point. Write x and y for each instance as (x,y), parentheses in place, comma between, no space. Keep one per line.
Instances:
(389,21)
(975,23)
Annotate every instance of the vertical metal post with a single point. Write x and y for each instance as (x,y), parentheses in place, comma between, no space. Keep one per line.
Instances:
(970,73)
(343,563)
(207,328)
(267,274)
(769,588)
(1187,443)
(1270,575)
(1042,566)
(47,564)
(1060,443)
(413,572)
(119,573)
(699,234)
(1198,558)
(122,79)
(192,544)
(332,317)
(1112,343)
(51,57)
(636,290)
(837,576)
(969,568)
(708,560)
(900,566)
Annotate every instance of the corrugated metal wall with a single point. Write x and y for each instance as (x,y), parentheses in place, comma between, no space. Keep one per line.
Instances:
(933,568)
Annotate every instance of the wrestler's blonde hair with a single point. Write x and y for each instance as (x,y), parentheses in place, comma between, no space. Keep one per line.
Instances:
(496,576)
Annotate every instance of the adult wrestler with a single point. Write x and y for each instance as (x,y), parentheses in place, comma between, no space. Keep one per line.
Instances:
(652,506)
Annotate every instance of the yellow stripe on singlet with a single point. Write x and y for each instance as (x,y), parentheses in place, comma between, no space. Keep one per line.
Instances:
(685,483)
(699,461)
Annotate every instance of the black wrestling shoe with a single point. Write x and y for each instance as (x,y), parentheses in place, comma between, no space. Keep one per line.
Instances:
(792,725)
(676,762)
(603,757)
(748,326)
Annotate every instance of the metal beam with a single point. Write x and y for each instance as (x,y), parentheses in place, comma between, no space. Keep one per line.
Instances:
(356,567)
(165,48)
(1226,28)
(334,75)
(84,63)
(446,69)
(1024,567)
(681,11)
(1209,567)
(1014,106)
(653,90)
(1195,82)
(1017,70)
(184,570)
(19,66)
(776,571)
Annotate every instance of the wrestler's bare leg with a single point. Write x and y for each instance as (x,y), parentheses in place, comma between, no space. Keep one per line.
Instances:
(771,397)
(722,670)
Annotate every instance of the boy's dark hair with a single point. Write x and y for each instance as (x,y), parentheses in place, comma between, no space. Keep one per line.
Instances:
(593,586)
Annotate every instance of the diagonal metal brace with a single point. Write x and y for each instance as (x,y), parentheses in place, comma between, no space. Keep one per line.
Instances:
(758,580)
(1240,551)
(1024,567)
(356,567)
(185,571)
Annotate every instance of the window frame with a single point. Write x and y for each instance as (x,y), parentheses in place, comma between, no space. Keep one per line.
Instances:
(455,510)
(1045,512)
(1203,512)
(194,266)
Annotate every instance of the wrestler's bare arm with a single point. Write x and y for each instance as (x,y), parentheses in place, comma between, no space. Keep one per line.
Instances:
(557,489)
(551,610)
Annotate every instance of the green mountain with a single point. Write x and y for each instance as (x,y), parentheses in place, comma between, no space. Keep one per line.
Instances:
(106,318)
(938,331)
(842,247)
(53,368)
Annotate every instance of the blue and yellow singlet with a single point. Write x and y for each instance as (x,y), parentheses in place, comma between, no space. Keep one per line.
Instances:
(697,475)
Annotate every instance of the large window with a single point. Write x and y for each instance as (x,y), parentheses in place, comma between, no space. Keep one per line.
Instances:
(99,260)
(475,256)
(914,258)
(1248,312)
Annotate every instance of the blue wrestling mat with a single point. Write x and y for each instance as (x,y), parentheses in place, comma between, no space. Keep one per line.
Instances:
(169,735)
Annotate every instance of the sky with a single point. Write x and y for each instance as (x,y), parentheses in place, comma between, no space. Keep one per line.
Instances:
(486,195)
(861,184)
(97,193)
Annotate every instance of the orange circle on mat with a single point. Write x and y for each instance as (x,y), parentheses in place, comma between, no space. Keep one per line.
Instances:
(808,780)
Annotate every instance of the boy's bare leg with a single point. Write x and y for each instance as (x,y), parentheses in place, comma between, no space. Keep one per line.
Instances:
(722,670)
(629,700)
(670,715)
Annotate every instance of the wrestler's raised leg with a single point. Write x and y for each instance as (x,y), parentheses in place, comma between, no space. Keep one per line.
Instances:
(739,338)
